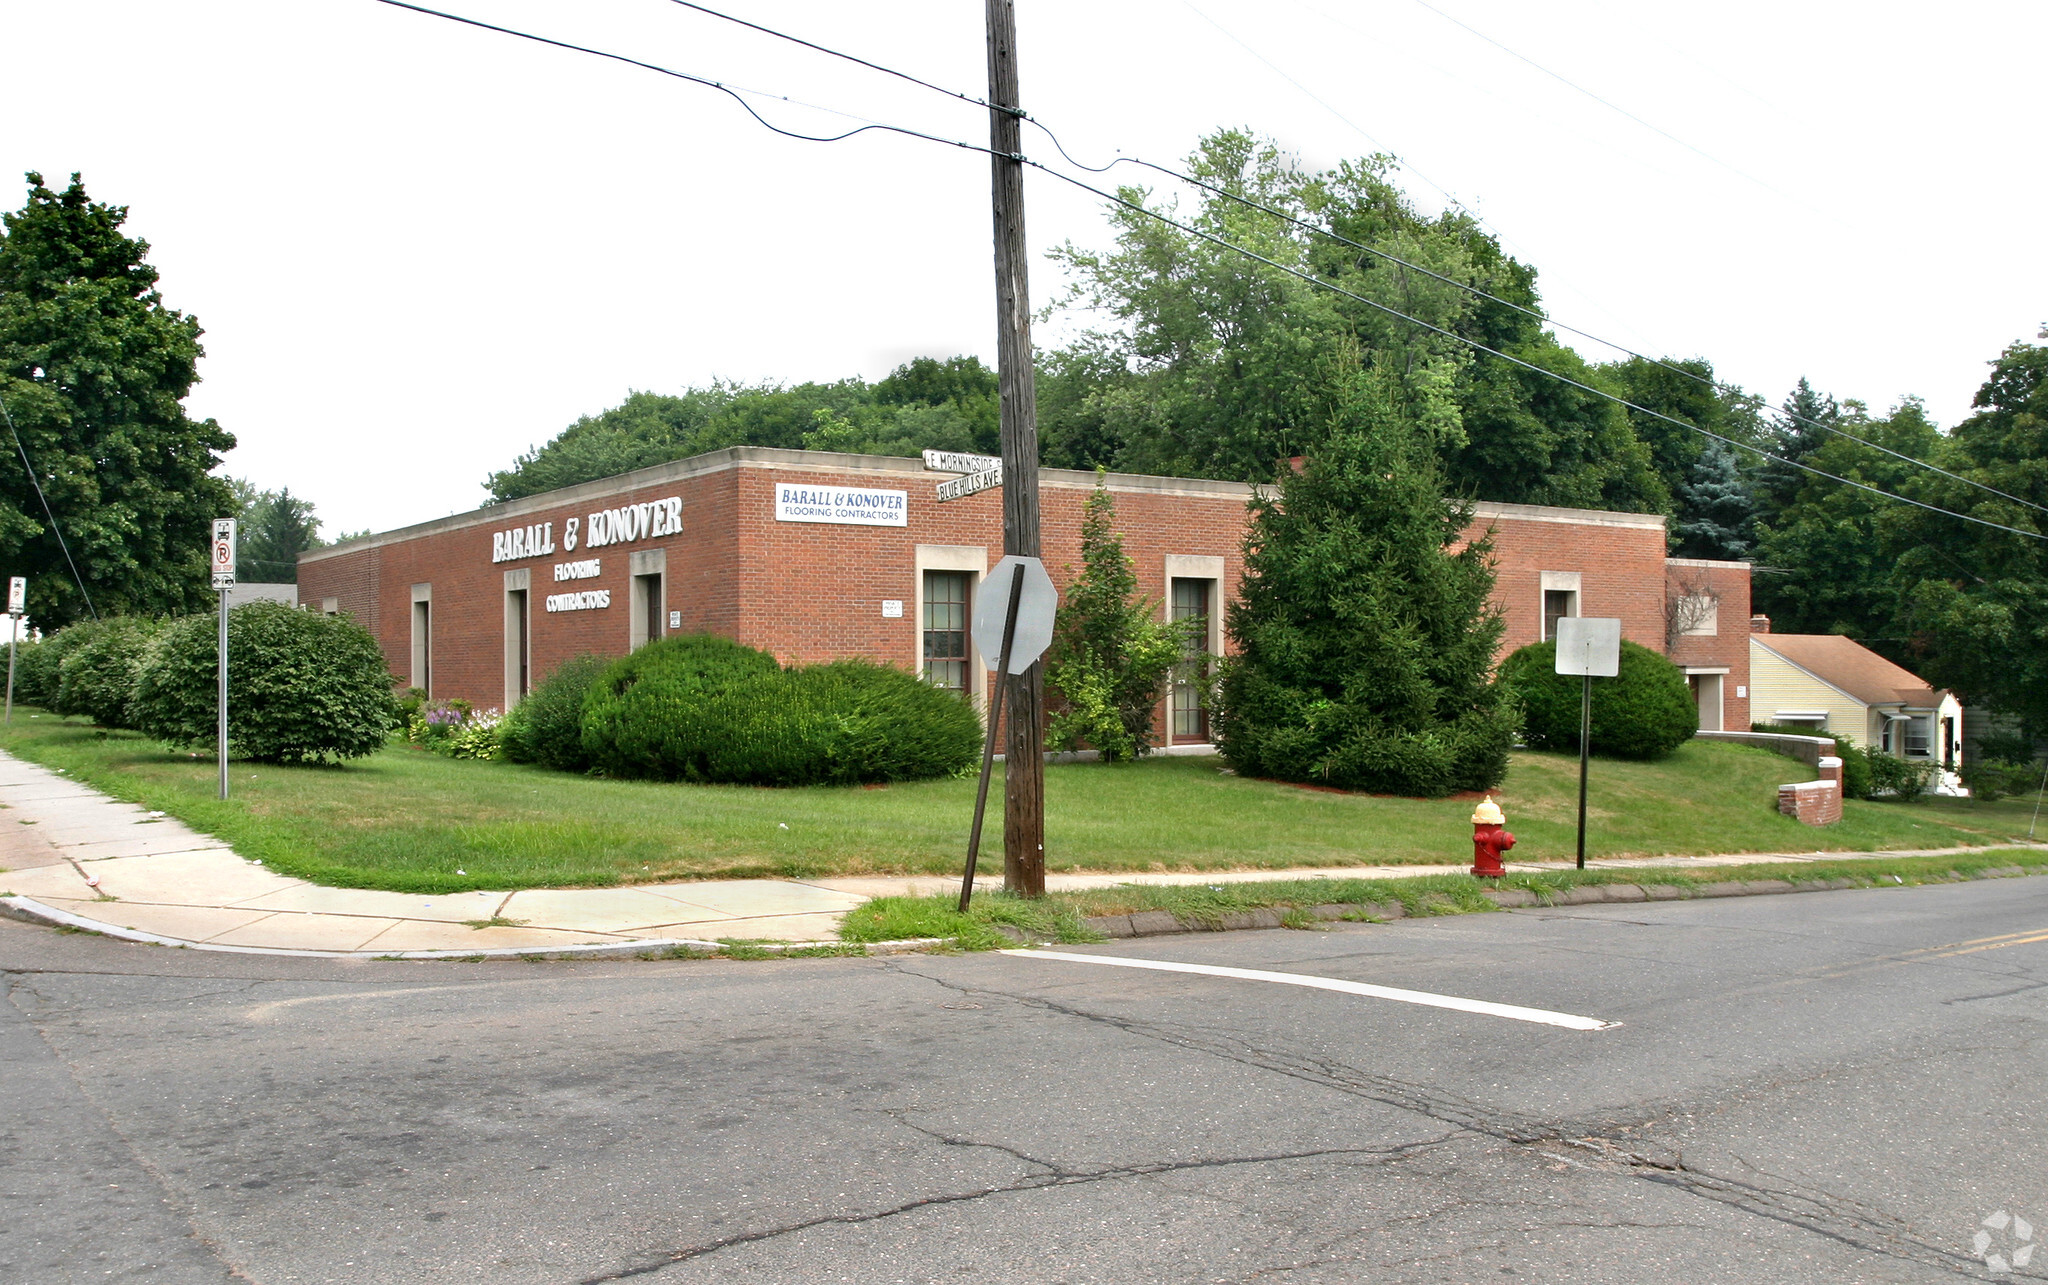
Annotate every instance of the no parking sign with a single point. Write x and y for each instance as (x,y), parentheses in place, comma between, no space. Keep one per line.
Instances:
(223,556)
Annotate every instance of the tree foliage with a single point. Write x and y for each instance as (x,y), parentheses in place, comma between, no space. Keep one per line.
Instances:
(924,403)
(1364,628)
(1110,654)
(94,370)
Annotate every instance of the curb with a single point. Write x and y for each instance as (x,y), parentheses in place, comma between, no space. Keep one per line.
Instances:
(1156,923)
(29,910)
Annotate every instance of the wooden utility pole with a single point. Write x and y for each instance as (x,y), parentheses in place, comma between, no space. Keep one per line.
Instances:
(1024,761)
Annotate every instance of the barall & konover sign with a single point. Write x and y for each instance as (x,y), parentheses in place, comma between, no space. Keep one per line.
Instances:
(843,505)
(622,525)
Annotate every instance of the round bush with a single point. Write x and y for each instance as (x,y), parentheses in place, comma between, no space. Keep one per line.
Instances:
(547,727)
(96,677)
(302,687)
(709,710)
(1644,712)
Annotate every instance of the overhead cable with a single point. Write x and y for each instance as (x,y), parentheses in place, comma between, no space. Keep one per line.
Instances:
(1237,249)
(1314,229)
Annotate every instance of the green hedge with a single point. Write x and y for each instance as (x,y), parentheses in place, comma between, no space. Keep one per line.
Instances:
(547,727)
(38,669)
(706,709)
(302,687)
(97,675)
(1644,712)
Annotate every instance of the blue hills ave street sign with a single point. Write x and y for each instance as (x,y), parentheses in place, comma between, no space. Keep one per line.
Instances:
(985,480)
(984,472)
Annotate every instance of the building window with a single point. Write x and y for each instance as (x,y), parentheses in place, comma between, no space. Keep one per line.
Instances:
(1190,600)
(1803,719)
(1557,604)
(945,629)
(423,645)
(1919,737)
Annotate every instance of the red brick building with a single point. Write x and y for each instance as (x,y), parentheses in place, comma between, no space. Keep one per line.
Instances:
(813,555)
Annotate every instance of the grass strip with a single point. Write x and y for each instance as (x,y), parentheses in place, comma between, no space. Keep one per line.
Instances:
(1063,917)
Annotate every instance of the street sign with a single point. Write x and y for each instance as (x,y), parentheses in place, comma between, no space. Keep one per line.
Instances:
(960,462)
(17,595)
(985,480)
(223,557)
(1589,645)
(1035,608)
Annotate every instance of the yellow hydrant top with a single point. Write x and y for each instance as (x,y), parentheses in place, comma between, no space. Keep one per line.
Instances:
(1487,813)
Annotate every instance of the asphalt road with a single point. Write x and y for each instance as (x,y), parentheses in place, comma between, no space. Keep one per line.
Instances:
(1832,1086)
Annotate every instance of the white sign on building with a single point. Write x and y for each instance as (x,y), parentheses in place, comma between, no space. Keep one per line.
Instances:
(842,505)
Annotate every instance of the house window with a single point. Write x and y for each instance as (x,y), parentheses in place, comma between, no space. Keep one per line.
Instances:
(1557,604)
(1919,736)
(1803,718)
(1190,600)
(945,629)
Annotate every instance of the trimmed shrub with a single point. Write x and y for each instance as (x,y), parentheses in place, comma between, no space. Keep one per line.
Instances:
(1643,712)
(36,671)
(1896,779)
(302,687)
(97,676)
(1992,779)
(547,727)
(709,710)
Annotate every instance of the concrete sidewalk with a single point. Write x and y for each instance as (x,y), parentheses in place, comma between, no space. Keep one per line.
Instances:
(105,865)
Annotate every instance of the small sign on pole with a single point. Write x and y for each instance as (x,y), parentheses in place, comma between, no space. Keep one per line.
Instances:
(222,557)
(960,462)
(1589,646)
(17,603)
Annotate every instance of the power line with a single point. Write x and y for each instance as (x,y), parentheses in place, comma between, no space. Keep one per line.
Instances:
(1613,107)
(871,66)
(1517,361)
(720,86)
(55,529)
(1469,288)
(1237,249)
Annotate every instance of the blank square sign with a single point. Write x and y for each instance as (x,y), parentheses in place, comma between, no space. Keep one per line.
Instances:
(1589,645)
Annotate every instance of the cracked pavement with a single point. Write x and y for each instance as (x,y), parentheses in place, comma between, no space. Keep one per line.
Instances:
(1801,1087)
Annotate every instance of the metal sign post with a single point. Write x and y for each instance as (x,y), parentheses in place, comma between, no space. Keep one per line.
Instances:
(223,563)
(1026,631)
(1591,648)
(17,602)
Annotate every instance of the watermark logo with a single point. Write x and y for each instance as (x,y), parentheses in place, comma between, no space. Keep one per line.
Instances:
(2004,1241)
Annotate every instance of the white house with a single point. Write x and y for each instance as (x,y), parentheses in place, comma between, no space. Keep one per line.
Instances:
(1837,685)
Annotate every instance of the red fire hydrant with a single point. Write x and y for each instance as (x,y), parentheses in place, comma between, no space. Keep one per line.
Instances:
(1489,840)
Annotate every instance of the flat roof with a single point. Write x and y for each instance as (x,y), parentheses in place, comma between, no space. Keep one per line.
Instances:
(900,468)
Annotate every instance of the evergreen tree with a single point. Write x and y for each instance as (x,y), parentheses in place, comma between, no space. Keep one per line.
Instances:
(1364,628)
(1716,514)
(1109,655)
(276,527)
(94,370)
(1794,435)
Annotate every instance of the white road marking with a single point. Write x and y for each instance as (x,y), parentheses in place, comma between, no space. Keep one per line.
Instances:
(1570,1021)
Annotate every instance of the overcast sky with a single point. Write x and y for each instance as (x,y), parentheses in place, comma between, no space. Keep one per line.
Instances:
(419,249)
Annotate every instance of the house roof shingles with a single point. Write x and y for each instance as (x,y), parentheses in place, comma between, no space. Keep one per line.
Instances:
(1849,665)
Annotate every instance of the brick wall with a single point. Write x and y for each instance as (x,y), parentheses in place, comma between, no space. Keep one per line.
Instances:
(1815,802)
(810,591)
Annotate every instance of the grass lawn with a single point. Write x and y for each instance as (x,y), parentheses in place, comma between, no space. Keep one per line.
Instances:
(1063,917)
(408,821)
